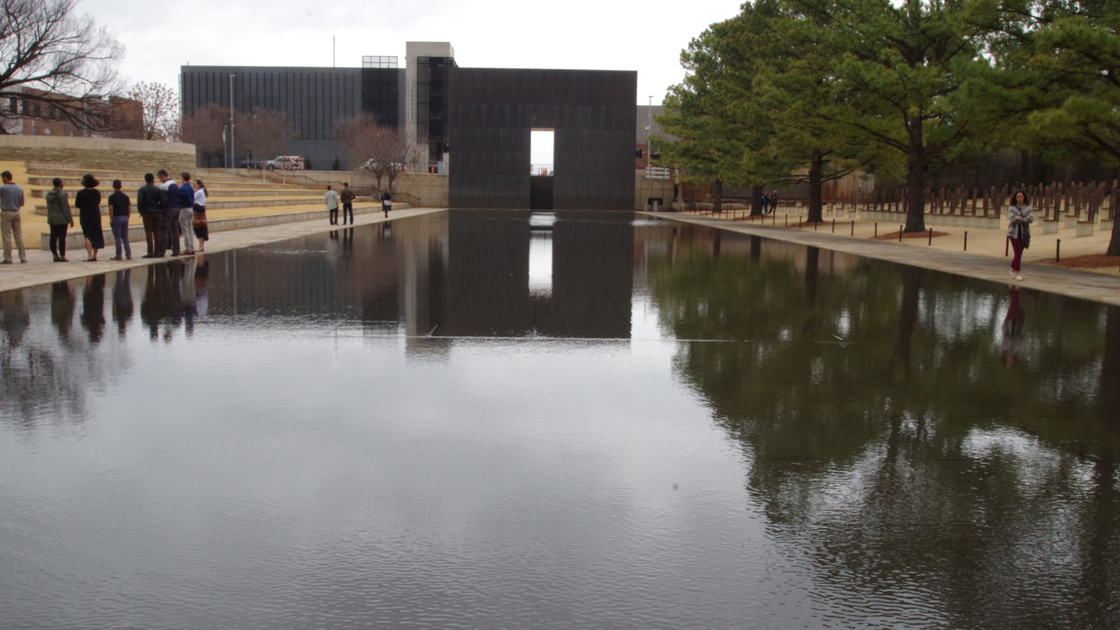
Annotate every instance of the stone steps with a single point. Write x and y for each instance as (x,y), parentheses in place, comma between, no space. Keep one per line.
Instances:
(249,202)
(75,181)
(215,191)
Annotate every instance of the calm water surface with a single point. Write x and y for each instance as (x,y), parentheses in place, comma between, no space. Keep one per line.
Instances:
(492,420)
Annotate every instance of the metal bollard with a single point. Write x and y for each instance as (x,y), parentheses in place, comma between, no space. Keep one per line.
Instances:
(834,226)
(853,228)
(1006,246)
(930,243)
(1058,251)
(900,234)
(966,240)
(876,230)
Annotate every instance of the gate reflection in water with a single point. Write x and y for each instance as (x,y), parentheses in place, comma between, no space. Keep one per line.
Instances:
(478,419)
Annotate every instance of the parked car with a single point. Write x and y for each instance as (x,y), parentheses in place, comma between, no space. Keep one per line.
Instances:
(371,165)
(280,162)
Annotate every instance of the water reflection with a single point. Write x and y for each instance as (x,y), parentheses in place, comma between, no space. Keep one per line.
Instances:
(378,416)
(886,440)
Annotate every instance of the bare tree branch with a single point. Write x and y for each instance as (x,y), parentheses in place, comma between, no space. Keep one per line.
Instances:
(264,133)
(47,55)
(161,110)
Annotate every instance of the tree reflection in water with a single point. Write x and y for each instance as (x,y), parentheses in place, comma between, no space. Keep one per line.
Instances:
(888,441)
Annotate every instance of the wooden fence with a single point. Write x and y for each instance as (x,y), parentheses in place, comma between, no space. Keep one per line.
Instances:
(1084,206)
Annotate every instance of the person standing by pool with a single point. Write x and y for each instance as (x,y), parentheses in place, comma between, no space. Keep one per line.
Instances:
(201,230)
(1019,216)
(120,206)
(773,201)
(347,197)
(168,215)
(765,203)
(331,199)
(88,201)
(386,203)
(58,218)
(186,214)
(147,204)
(11,200)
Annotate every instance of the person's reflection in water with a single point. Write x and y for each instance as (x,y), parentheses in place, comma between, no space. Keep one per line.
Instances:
(122,300)
(187,293)
(62,309)
(93,307)
(14,318)
(1013,329)
(201,295)
(161,297)
(348,240)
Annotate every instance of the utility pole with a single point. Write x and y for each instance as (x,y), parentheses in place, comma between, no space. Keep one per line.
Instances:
(649,129)
(232,153)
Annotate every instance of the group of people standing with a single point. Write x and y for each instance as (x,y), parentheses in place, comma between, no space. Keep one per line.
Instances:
(769,202)
(346,198)
(170,212)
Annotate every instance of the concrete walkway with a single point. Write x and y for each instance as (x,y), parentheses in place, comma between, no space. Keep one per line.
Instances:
(984,258)
(41,268)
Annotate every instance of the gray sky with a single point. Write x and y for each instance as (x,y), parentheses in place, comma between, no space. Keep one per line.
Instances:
(575,34)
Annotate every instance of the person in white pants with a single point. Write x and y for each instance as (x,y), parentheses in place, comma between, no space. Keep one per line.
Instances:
(186,214)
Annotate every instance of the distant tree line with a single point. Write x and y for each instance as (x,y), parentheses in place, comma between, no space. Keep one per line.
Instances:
(896,88)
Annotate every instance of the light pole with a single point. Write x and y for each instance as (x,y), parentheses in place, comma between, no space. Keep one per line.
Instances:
(649,128)
(232,152)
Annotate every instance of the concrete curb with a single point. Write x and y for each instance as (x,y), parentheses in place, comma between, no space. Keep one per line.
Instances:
(75,240)
(1076,283)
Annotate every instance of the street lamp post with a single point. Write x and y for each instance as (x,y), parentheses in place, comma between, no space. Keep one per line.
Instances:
(232,152)
(649,129)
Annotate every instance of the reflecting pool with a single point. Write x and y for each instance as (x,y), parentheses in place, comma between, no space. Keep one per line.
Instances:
(573,420)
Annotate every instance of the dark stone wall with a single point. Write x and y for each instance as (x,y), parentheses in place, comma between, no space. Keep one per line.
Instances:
(492,112)
(314,99)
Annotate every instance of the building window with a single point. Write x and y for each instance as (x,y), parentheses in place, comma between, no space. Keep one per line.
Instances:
(378,62)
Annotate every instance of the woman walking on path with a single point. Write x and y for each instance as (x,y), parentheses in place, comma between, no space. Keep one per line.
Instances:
(1020,216)
(88,201)
(121,208)
(58,217)
(386,203)
(201,231)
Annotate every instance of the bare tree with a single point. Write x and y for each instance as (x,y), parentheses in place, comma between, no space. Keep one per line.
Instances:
(50,58)
(373,147)
(161,110)
(205,128)
(264,133)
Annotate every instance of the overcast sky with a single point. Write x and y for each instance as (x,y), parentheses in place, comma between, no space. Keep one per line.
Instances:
(572,34)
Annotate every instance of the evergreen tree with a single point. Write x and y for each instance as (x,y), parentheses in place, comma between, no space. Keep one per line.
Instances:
(1060,89)
(895,79)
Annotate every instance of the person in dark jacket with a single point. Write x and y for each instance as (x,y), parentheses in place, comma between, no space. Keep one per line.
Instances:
(88,201)
(147,204)
(169,207)
(386,203)
(58,218)
(347,197)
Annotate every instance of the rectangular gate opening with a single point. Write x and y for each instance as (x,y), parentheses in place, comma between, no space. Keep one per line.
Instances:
(542,147)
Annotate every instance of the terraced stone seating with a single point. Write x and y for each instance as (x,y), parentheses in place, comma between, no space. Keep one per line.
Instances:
(225,190)
(234,201)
